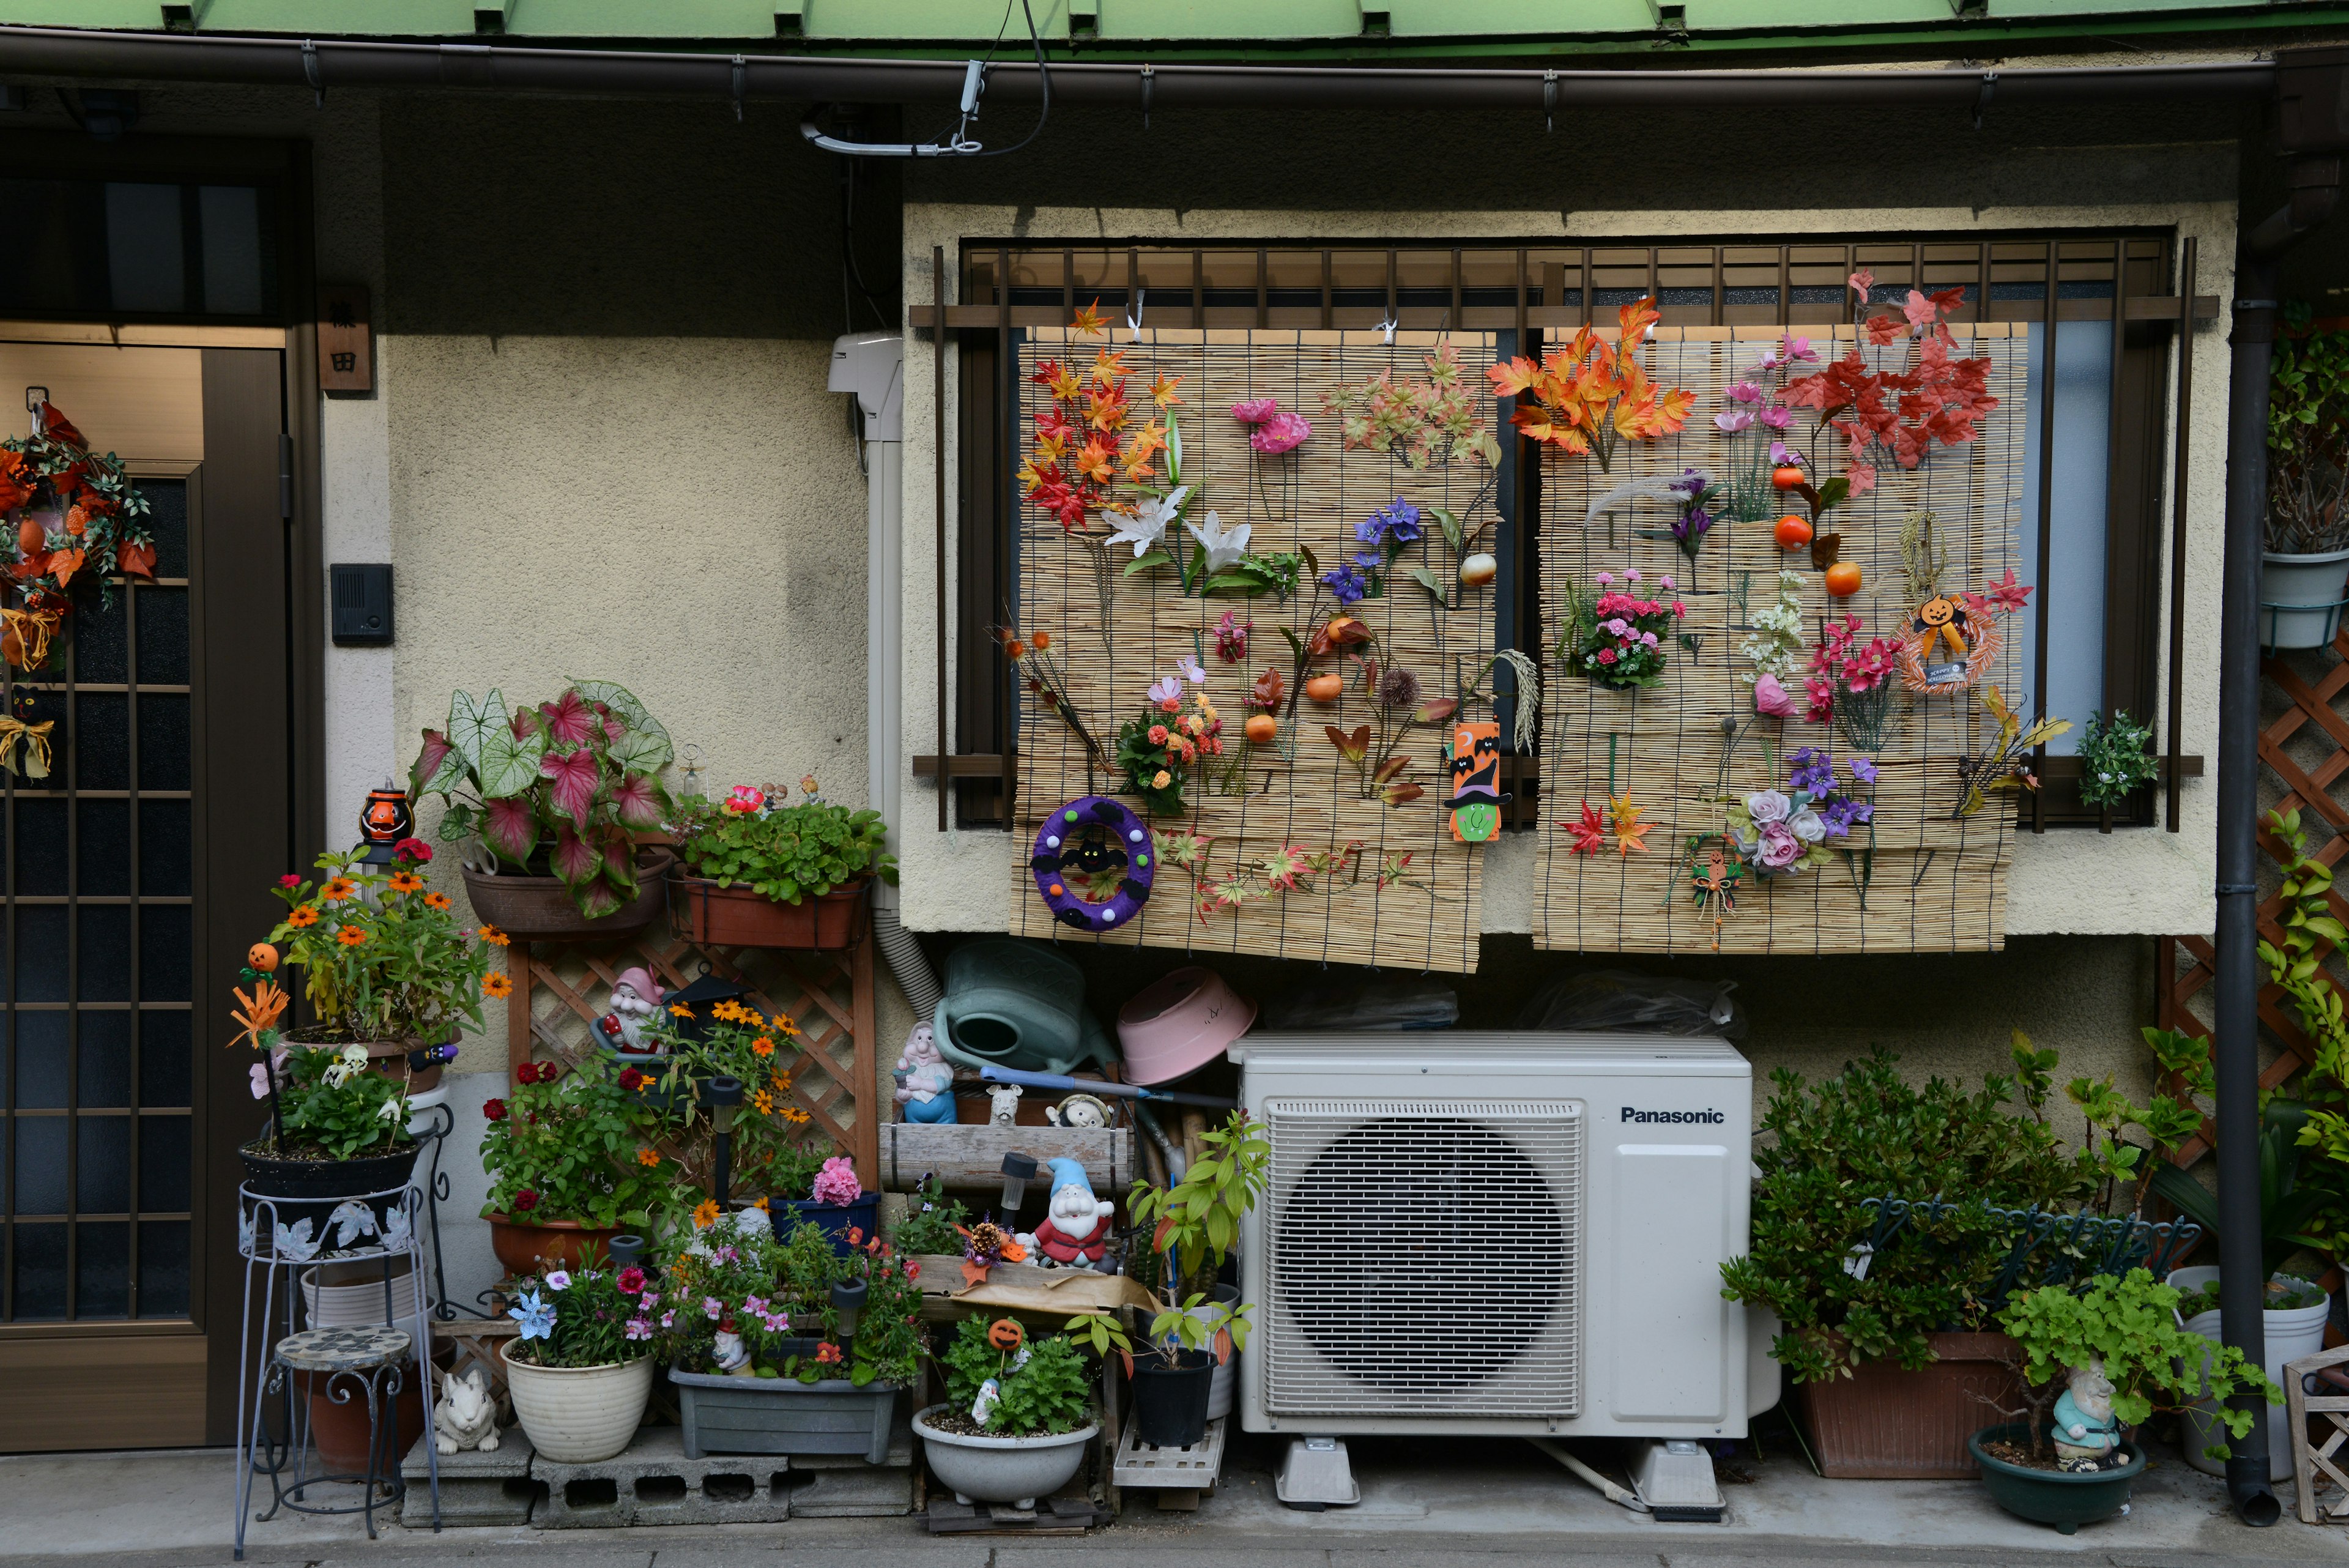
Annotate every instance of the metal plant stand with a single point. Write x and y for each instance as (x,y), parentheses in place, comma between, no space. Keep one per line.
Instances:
(279,1367)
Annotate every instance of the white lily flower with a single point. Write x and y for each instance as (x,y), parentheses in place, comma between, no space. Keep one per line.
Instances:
(1224,546)
(1144,527)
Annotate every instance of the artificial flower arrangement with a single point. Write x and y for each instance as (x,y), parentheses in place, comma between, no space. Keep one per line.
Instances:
(1157,749)
(1087,440)
(552,790)
(1272,432)
(1046,675)
(1619,639)
(1898,414)
(2003,764)
(1590,397)
(787,850)
(2115,760)
(75,515)
(577,1144)
(583,1317)
(1782,833)
(743,1300)
(774,1149)
(1752,423)
(382,957)
(1850,684)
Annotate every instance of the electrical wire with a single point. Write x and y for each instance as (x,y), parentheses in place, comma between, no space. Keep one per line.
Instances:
(1043,79)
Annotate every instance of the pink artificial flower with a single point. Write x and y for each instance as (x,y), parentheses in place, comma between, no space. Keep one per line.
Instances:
(744,800)
(1733,423)
(1665,583)
(1770,697)
(1742,393)
(1631,574)
(1821,692)
(1166,692)
(1778,418)
(1680,610)
(1256,411)
(1281,432)
(1232,639)
(1606,577)
(837,1182)
(1605,655)
(1780,847)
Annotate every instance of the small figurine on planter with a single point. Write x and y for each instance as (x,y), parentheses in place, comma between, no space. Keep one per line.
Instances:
(1078,1111)
(1077,1233)
(465,1417)
(2087,1436)
(636,1006)
(926,1087)
(728,1351)
(1003,1104)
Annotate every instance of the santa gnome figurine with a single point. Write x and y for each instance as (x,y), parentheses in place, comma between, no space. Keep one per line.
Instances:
(635,1003)
(1077,1234)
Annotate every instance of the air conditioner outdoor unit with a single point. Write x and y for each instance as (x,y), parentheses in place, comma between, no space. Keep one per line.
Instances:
(1507,1233)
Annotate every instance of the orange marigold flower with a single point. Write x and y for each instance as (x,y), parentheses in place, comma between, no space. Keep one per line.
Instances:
(647,1157)
(781,1081)
(351,937)
(783,1025)
(705,1214)
(303,918)
(764,1102)
(794,1115)
(338,890)
(492,934)
(679,1010)
(762,1046)
(407,882)
(497,985)
(436,900)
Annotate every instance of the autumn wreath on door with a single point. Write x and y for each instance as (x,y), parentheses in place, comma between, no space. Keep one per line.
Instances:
(74,518)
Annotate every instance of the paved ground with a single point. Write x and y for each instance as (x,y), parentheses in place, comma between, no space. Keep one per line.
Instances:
(1465,1504)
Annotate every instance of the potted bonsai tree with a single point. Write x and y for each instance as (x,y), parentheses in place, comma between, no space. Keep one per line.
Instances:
(1017,1415)
(784,1346)
(755,872)
(581,1365)
(1193,1337)
(2097,1361)
(552,794)
(572,1163)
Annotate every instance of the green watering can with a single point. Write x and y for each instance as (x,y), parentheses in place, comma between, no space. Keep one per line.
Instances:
(1018,1004)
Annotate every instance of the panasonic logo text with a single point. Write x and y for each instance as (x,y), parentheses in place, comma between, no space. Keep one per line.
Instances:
(1631,1114)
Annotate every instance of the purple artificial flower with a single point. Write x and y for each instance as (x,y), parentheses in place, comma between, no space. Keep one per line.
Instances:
(1780,452)
(1401,520)
(1370,560)
(1778,418)
(1347,584)
(1692,483)
(1742,392)
(1863,771)
(1813,773)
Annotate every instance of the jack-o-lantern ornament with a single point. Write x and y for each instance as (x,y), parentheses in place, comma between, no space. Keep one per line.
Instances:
(262,959)
(386,819)
(1005,1333)
(1939,619)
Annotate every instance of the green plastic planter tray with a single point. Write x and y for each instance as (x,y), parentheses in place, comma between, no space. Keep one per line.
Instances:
(720,1415)
(2052,1497)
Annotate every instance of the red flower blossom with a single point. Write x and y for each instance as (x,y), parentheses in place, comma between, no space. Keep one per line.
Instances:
(495,1110)
(412,848)
(291,881)
(827,1354)
(525,1201)
(631,1280)
(631,1080)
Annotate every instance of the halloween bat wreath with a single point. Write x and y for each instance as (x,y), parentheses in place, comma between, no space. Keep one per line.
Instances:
(1067,843)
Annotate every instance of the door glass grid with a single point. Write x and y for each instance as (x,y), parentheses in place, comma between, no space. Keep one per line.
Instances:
(96,1147)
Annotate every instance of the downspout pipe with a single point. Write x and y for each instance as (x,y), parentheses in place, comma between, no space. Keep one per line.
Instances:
(2312,96)
(322,64)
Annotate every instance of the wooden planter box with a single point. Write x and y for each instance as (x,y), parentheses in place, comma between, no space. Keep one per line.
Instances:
(710,916)
(1885,1422)
(970,1156)
(720,1415)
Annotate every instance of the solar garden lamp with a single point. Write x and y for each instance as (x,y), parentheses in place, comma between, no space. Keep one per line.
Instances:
(625,1252)
(724,1096)
(848,1305)
(1019,1170)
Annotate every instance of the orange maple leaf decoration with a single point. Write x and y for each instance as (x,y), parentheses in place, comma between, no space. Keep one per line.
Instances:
(1591,396)
(1090,320)
(1631,833)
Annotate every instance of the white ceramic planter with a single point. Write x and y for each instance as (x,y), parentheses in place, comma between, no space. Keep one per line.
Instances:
(2312,580)
(578,1415)
(2290,1336)
(1016,1470)
(359,1304)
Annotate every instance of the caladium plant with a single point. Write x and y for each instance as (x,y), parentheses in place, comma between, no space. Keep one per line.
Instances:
(568,780)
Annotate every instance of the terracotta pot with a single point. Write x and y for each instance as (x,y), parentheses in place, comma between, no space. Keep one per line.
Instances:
(561,1243)
(1885,1422)
(539,908)
(341,1430)
(578,1415)
(713,916)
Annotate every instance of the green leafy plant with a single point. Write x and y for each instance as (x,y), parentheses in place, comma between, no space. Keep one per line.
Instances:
(2113,762)
(2312,933)
(2308,440)
(381,957)
(557,789)
(2129,1325)
(2283,1293)
(577,1145)
(786,853)
(330,1105)
(1194,1223)
(1866,1134)
(776,1147)
(1042,1388)
(932,1221)
(583,1317)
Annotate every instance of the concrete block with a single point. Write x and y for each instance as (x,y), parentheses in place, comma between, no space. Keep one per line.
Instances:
(476,1488)
(842,1486)
(652,1482)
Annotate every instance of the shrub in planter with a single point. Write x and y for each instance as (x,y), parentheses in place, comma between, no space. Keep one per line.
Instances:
(934,1222)
(795,859)
(552,790)
(775,1148)
(575,1148)
(1196,1221)
(1017,1415)
(582,1366)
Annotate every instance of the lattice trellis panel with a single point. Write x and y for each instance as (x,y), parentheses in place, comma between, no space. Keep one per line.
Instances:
(1297,792)
(560,989)
(1932,883)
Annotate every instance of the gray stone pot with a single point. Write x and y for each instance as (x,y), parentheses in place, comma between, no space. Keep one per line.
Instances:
(1017,1470)
(2313,581)
(721,1414)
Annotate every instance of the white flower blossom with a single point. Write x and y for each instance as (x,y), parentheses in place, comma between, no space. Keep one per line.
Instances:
(1145,525)
(1224,546)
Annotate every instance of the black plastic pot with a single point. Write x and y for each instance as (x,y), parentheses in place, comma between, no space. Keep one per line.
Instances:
(299,1190)
(1170,1402)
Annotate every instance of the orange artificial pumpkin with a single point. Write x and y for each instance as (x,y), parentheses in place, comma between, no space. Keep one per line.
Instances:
(1326,688)
(1786,478)
(1262,729)
(1792,532)
(262,958)
(1005,1333)
(30,541)
(1843,579)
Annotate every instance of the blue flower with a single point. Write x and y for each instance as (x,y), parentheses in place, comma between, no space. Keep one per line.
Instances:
(536,1317)
(1347,584)
(1813,773)
(1402,519)
(1863,771)
(1370,560)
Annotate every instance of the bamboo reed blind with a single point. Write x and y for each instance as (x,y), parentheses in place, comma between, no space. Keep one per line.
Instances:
(1918,880)
(1297,792)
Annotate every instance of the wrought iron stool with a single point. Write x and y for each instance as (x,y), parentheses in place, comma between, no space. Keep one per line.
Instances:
(344,1364)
